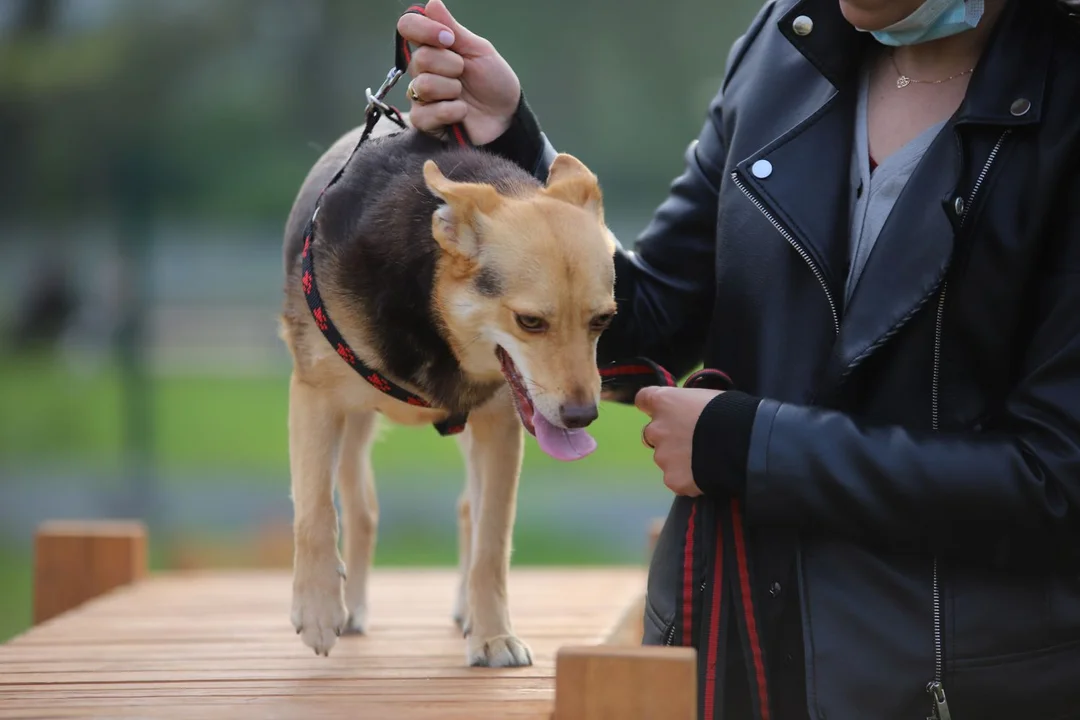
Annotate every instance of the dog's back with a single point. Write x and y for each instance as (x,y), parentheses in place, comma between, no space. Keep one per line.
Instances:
(386,177)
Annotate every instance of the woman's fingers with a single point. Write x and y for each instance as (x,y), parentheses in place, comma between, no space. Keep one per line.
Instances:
(433,88)
(436,61)
(420,30)
(432,118)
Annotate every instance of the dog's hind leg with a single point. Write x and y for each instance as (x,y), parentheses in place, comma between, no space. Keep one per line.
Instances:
(318,604)
(465,529)
(359,512)
(495,453)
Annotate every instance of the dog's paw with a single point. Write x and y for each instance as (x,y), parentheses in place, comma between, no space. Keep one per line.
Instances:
(499,651)
(461,615)
(357,623)
(318,611)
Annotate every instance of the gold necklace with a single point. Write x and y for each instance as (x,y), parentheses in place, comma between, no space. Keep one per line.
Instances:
(902,80)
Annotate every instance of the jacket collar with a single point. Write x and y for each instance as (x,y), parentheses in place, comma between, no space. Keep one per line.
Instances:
(1014,66)
(1012,73)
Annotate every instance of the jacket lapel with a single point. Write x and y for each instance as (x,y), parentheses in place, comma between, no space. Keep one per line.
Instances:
(801,180)
(908,260)
(915,246)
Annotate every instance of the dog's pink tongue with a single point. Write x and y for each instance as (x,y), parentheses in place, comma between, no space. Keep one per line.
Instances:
(560,443)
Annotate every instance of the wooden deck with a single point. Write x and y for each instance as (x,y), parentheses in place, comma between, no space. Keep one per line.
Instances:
(220,644)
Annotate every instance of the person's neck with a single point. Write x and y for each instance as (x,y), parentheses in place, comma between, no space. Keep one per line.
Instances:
(950,54)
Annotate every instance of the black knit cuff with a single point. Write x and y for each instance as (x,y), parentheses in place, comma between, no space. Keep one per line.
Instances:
(522,142)
(722,442)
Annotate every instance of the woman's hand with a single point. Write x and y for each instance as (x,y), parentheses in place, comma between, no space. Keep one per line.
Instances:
(458,77)
(673,414)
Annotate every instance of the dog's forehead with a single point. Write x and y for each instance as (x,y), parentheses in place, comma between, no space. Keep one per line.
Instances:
(562,228)
(539,246)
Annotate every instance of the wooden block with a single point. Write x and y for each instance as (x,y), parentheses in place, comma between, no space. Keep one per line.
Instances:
(655,527)
(621,683)
(274,545)
(75,561)
(629,629)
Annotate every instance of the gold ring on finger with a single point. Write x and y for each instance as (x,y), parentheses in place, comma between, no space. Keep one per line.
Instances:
(413,95)
(644,440)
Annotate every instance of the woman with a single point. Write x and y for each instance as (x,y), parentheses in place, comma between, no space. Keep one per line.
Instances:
(877,236)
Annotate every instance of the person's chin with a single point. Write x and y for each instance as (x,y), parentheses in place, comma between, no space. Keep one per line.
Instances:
(870,15)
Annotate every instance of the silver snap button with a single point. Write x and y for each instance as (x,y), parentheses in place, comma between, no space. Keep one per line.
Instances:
(761,169)
(958,205)
(1020,107)
(802,25)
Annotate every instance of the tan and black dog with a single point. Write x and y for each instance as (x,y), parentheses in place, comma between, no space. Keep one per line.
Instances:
(461,278)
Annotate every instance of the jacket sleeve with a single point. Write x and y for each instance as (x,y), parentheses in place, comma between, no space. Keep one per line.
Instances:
(665,286)
(665,283)
(1015,481)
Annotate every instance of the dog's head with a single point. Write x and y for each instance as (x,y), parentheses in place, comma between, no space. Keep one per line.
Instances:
(527,281)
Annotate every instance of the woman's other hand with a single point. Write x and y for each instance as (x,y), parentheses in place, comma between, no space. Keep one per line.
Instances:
(457,76)
(673,416)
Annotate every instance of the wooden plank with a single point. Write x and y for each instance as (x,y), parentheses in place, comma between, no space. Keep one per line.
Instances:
(220,644)
(629,630)
(656,526)
(614,683)
(75,561)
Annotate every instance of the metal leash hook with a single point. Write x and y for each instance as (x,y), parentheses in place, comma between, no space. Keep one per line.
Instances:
(376,100)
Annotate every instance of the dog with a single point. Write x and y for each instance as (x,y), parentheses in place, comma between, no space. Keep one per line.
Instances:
(457,276)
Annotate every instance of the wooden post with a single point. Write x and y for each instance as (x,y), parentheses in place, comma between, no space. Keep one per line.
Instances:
(75,561)
(621,683)
(655,528)
(630,627)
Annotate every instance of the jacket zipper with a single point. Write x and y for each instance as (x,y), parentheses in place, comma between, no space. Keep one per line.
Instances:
(794,244)
(936,687)
(670,639)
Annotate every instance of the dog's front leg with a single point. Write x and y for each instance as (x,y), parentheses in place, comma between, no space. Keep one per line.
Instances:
(318,606)
(496,447)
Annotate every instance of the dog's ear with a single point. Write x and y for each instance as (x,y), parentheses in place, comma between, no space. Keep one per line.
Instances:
(456,224)
(569,180)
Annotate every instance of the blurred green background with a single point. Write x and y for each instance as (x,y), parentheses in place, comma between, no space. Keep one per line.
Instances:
(149,154)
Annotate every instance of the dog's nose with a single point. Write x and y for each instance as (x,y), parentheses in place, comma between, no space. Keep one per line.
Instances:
(578,416)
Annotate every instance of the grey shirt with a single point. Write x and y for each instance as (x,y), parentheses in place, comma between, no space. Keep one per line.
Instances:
(876,193)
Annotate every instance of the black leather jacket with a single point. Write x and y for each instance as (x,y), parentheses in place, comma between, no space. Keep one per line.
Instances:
(892,496)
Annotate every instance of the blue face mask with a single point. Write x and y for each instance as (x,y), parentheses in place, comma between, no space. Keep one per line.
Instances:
(934,19)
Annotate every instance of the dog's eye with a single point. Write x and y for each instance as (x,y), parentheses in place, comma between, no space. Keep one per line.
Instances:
(600,322)
(531,323)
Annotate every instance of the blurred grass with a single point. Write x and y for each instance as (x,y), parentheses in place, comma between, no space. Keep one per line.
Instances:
(52,414)
(15,596)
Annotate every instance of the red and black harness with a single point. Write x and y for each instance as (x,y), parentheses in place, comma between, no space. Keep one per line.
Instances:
(621,381)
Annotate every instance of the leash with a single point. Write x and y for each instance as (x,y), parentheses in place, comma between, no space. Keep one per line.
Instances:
(621,380)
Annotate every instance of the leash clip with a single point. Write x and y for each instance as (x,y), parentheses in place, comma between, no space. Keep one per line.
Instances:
(376,100)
